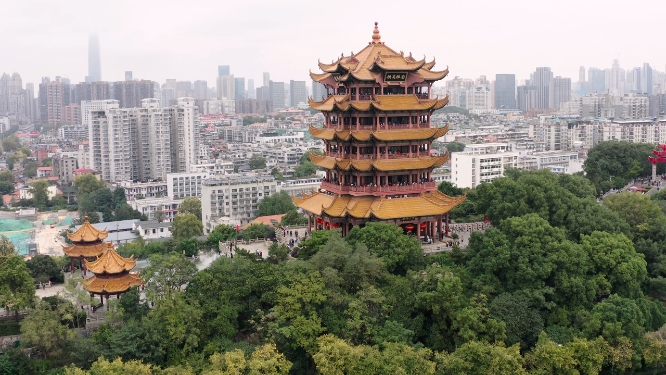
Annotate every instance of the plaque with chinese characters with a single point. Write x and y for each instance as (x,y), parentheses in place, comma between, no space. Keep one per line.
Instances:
(395,77)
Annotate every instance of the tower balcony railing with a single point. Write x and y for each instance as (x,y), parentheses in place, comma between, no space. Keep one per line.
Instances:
(378,189)
(382,155)
(422,96)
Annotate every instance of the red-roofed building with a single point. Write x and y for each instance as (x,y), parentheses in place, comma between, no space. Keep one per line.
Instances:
(43,172)
(271,220)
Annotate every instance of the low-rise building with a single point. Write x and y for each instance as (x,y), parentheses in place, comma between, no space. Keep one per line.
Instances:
(234,198)
(135,190)
(469,170)
(150,206)
(153,229)
(184,185)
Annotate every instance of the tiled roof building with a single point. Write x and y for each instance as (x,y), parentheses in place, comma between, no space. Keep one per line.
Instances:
(377,109)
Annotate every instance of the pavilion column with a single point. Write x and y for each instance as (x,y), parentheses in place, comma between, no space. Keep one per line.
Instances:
(435,232)
(439,226)
(101,298)
(309,223)
(71,260)
(446,229)
(418,230)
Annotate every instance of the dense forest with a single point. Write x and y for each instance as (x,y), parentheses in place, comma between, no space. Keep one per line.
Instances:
(563,283)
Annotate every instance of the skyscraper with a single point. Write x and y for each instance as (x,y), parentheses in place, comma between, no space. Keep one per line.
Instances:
(184,135)
(223,70)
(541,79)
(596,79)
(646,79)
(239,88)
(276,92)
(201,90)
(318,91)
(505,91)
(298,93)
(128,75)
(250,89)
(226,87)
(527,97)
(267,79)
(559,91)
(94,60)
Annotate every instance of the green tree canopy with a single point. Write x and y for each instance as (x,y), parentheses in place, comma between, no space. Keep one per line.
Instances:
(455,146)
(388,242)
(191,206)
(17,288)
(167,274)
(39,191)
(613,164)
(277,204)
(43,268)
(293,218)
(30,169)
(6,187)
(644,216)
(186,226)
(11,143)
(257,162)
(87,183)
(6,175)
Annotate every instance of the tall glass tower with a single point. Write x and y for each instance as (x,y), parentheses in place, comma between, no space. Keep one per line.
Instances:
(94,61)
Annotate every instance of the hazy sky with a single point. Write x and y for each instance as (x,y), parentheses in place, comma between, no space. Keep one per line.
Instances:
(187,40)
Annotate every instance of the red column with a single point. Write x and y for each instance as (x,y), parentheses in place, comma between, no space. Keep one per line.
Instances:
(446,230)
(418,230)
(309,223)
(71,260)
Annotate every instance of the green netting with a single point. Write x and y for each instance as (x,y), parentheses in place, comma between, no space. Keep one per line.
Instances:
(19,239)
(68,221)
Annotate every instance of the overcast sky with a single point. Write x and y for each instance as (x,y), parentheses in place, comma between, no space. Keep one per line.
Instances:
(187,40)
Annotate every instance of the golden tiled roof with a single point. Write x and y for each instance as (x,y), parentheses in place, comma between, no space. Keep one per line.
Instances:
(329,162)
(88,233)
(380,135)
(379,102)
(319,77)
(313,203)
(110,263)
(425,204)
(76,251)
(118,284)
(376,58)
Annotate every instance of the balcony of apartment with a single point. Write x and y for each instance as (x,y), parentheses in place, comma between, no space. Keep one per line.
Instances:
(372,189)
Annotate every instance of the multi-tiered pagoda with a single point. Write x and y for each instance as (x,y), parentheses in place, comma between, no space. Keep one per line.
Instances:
(112,275)
(378,137)
(86,244)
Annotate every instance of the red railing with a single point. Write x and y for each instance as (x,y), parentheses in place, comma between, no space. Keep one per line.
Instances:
(377,189)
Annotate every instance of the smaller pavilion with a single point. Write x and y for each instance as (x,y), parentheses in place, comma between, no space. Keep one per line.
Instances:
(112,275)
(86,244)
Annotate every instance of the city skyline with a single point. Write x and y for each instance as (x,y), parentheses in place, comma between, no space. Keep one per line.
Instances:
(259,43)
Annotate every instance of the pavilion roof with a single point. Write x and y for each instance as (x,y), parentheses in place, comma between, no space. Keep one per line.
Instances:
(380,135)
(118,284)
(425,204)
(88,233)
(89,251)
(329,162)
(111,263)
(375,58)
(378,102)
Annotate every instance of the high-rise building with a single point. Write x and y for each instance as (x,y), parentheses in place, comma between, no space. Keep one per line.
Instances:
(505,91)
(267,79)
(560,91)
(318,91)
(168,96)
(541,79)
(617,78)
(239,88)
(226,87)
(130,93)
(53,96)
(31,101)
(184,135)
(201,90)
(128,75)
(263,93)
(184,89)
(581,74)
(276,92)
(250,89)
(94,60)
(646,79)
(223,70)
(298,93)
(91,91)
(596,80)
(526,98)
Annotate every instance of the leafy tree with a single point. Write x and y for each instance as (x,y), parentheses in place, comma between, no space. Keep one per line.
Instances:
(644,216)
(160,215)
(7,248)
(293,218)
(304,170)
(186,226)
(258,230)
(47,162)
(117,366)
(277,204)
(523,323)
(39,191)
(87,183)
(221,233)
(305,158)
(6,187)
(6,175)
(11,143)
(191,206)
(388,242)
(43,268)
(30,169)
(167,274)
(448,189)
(312,245)
(551,358)
(11,160)
(613,164)
(455,147)
(278,253)
(42,328)
(264,360)
(25,150)
(277,174)
(124,211)
(474,323)
(17,288)
(257,162)
(479,358)
(249,120)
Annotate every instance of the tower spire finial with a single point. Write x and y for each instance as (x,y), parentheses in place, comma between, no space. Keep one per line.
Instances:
(376,38)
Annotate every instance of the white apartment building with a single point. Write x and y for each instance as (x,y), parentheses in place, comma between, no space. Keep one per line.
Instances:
(152,229)
(286,156)
(636,131)
(4,124)
(469,170)
(289,137)
(184,185)
(568,162)
(149,206)
(234,199)
(218,106)
(184,135)
(479,98)
(134,190)
(131,143)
